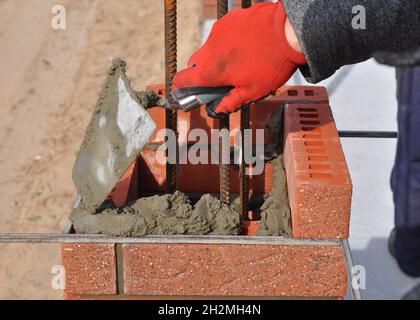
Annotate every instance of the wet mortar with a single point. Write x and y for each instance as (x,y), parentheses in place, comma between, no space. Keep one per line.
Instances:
(175,214)
(107,150)
(162,215)
(275,211)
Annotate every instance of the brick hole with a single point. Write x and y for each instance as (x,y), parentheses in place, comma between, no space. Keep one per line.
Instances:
(316,151)
(318,158)
(292,93)
(318,175)
(310,122)
(309,93)
(312,136)
(319,167)
(305,109)
(314,143)
(308,115)
(316,129)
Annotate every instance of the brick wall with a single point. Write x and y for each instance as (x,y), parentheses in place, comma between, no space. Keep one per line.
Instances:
(138,271)
(319,190)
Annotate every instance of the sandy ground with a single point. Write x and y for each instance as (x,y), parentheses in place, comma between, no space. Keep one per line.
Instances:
(49,80)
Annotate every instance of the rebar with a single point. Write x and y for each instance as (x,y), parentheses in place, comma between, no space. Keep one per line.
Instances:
(222,8)
(369,134)
(246,4)
(170,71)
(224,144)
(243,177)
(224,160)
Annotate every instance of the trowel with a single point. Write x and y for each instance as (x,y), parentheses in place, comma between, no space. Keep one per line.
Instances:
(118,130)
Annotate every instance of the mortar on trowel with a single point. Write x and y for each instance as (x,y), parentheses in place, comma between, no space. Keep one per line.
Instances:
(118,130)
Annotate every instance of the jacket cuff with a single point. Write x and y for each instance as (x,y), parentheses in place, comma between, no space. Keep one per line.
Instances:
(324,30)
(297,12)
(298,58)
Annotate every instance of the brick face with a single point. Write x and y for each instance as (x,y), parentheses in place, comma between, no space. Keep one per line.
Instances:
(90,269)
(127,188)
(233,270)
(204,270)
(296,94)
(319,184)
(319,190)
(191,177)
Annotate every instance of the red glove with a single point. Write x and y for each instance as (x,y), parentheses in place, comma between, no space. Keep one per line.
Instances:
(247,50)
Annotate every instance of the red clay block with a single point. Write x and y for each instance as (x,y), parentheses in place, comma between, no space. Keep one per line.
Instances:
(260,112)
(202,178)
(314,94)
(152,174)
(158,116)
(318,179)
(250,228)
(187,121)
(158,88)
(125,190)
(90,269)
(230,270)
(195,119)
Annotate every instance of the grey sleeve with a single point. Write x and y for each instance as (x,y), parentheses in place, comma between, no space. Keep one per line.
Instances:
(329,41)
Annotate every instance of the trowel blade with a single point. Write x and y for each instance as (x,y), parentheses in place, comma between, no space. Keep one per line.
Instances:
(118,130)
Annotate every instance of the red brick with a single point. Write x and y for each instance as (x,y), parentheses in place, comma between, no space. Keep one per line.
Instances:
(90,269)
(320,193)
(158,88)
(152,177)
(187,121)
(230,270)
(126,189)
(260,112)
(250,228)
(296,94)
(152,174)
(318,179)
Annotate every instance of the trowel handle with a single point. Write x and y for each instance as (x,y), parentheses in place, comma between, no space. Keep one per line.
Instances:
(193,102)
(192,98)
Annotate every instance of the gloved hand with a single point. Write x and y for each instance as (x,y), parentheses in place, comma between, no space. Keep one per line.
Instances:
(247,50)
